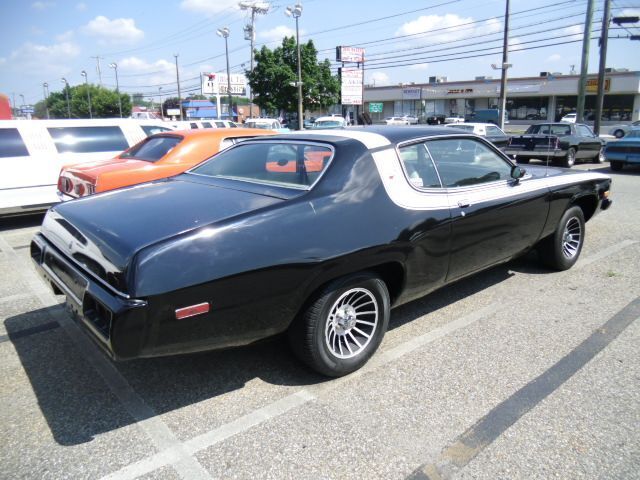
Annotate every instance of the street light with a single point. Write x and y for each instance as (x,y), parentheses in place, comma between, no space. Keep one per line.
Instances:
(66,95)
(224,33)
(86,82)
(45,89)
(295,12)
(23,102)
(114,65)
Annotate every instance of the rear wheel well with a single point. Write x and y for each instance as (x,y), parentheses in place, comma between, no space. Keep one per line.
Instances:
(588,204)
(392,274)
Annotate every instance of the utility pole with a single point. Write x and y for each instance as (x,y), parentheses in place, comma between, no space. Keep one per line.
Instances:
(45,90)
(504,66)
(178,81)
(295,12)
(584,64)
(603,61)
(97,57)
(250,34)
(224,33)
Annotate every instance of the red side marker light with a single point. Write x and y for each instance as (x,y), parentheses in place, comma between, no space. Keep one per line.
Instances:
(192,311)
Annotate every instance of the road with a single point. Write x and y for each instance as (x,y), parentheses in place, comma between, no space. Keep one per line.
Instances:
(517,372)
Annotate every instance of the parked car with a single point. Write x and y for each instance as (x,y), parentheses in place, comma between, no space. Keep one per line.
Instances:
(241,247)
(620,131)
(329,123)
(413,120)
(198,124)
(454,119)
(488,130)
(396,121)
(34,151)
(562,143)
(569,118)
(265,124)
(158,156)
(625,151)
(436,119)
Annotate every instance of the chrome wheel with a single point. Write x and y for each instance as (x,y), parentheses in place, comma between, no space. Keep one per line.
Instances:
(572,238)
(351,323)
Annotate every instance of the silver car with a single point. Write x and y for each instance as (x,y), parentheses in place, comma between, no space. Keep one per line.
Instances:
(620,131)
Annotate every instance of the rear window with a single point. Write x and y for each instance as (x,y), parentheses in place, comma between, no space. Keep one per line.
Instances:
(152,149)
(289,164)
(153,129)
(11,143)
(88,139)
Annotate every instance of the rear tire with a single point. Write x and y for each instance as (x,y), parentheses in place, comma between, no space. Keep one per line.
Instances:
(570,160)
(523,160)
(618,133)
(561,250)
(343,325)
(600,158)
(615,165)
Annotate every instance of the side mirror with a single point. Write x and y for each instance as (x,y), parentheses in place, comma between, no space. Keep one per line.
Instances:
(517,173)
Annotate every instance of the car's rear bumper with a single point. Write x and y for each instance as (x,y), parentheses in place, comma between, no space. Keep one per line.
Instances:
(534,153)
(116,323)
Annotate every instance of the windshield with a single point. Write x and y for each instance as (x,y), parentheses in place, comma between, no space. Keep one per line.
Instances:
(153,148)
(287,164)
(328,123)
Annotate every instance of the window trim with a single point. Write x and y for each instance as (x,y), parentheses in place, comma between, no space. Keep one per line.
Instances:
(274,141)
(444,188)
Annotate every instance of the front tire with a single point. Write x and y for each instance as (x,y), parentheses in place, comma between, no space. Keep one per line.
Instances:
(570,160)
(343,326)
(615,165)
(618,133)
(561,250)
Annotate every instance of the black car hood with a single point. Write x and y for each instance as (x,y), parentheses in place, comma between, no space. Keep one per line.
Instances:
(103,232)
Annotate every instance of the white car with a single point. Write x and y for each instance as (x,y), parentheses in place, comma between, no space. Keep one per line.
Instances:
(488,130)
(411,119)
(569,118)
(396,121)
(265,124)
(620,131)
(455,119)
(333,121)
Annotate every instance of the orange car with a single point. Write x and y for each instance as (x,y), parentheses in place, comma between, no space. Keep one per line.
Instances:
(157,156)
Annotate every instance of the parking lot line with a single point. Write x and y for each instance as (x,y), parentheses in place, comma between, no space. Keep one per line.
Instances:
(158,432)
(468,445)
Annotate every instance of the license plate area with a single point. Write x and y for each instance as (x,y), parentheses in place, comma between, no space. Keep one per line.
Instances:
(75,283)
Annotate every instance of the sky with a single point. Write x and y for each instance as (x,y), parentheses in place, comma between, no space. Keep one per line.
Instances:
(45,40)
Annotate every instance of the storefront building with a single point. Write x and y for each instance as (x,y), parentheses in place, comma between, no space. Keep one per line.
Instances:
(547,97)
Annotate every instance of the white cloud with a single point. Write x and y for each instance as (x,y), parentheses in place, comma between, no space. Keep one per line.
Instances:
(118,31)
(210,7)
(160,71)
(36,31)
(378,78)
(419,66)
(277,34)
(42,5)
(81,7)
(3,60)
(64,37)
(574,32)
(554,58)
(515,45)
(435,24)
(42,60)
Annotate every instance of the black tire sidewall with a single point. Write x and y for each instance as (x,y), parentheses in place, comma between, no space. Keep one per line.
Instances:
(570,159)
(326,362)
(615,165)
(615,134)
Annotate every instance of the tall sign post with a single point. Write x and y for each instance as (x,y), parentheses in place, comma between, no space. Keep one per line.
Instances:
(219,85)
(351,79)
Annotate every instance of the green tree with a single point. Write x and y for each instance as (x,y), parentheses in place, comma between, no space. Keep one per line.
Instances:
(104,103)
(276,71)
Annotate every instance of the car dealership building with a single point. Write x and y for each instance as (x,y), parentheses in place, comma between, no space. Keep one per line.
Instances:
(549,96)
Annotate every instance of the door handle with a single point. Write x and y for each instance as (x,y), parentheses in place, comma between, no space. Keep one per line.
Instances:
(464,203)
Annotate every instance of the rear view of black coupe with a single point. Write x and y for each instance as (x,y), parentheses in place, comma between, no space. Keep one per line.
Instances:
(316,234)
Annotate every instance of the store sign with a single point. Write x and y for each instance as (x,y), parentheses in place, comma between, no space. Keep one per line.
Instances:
(350,54)
(173,112)
(351,86)
(457,91)
(411,93)
(375,107)
(216,84)
(592,85)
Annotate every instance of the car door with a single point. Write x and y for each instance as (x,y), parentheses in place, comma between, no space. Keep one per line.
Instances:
(590,144)
(497,136)
(494,216)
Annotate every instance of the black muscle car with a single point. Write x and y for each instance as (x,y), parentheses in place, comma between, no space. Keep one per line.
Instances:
(317,234)
(560,143)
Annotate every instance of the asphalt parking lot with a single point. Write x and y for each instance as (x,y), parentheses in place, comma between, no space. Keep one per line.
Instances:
(517,372)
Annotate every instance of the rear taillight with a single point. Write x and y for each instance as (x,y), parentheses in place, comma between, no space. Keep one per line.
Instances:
(79,189)
(65,185)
